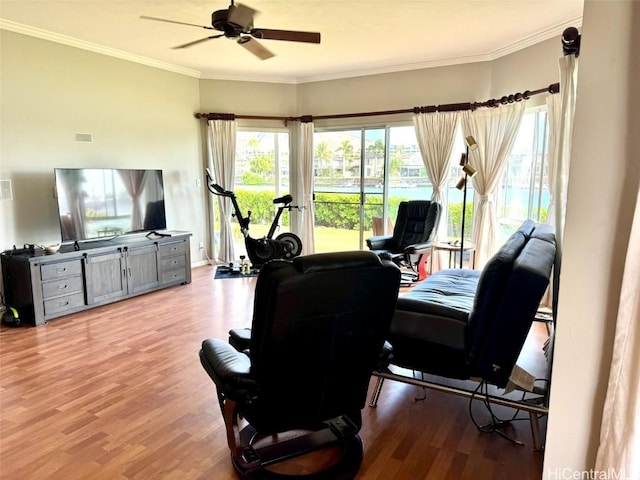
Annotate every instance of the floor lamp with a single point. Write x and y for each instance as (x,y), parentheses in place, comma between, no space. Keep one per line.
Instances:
(467,171)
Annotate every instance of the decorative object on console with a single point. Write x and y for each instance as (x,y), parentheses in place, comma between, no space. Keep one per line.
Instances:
(467,171)
(52,248)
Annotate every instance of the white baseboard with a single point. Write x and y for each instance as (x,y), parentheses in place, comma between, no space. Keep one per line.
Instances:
(201,263)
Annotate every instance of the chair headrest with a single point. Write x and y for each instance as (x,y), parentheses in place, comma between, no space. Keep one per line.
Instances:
(336,261)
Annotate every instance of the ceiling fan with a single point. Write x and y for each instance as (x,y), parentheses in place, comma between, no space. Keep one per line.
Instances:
(236,22)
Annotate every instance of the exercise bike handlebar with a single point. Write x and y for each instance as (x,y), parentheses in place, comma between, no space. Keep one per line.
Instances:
(215,188)
(220,191)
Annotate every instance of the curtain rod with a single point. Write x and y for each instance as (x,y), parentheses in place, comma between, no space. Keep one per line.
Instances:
(449,107)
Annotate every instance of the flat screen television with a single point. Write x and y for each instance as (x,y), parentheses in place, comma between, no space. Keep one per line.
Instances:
(106,202)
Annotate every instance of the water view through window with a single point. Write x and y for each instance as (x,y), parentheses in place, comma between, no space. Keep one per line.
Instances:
(362,174)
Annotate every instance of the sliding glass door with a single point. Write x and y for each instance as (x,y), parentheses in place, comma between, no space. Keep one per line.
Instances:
(348,186)
(361,175)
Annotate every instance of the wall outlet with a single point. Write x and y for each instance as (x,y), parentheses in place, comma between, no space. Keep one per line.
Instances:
(6,192)
(201,246)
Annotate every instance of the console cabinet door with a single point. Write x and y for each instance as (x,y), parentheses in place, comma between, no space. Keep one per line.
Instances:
(142,269)
(105,275)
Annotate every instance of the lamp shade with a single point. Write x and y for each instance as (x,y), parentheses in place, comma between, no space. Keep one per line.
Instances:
(471,142)
(461,183)
(469,170)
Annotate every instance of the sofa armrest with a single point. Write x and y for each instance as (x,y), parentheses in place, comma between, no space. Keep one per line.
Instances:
(418,248)
(381,242)
(229,369)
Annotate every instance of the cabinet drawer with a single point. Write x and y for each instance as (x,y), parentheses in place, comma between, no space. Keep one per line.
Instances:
(173,262)
(63,286)
(173,249)
(63,304)
(49,271)
(174,276)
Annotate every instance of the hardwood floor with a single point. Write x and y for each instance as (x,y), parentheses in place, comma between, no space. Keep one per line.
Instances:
(118,392)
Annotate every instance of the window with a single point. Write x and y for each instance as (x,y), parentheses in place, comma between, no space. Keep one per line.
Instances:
(362,172)
(261,174)
(524,188)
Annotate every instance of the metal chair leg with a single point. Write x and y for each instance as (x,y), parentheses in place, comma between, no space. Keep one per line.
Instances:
(535,431)
(376,392)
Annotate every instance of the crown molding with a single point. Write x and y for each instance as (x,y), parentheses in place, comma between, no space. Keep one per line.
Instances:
(540,36)
(249,77)
(93,47)
(531,40)
(394,68)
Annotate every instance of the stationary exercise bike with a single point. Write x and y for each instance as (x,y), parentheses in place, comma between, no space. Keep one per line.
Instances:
(260,250)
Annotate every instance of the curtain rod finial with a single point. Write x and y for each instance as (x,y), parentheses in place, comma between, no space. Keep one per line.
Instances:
(571,41)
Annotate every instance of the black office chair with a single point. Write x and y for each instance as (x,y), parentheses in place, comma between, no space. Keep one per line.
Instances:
(319,325)
(413,234)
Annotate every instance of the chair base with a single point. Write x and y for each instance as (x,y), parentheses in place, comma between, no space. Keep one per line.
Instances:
(255,456)
(346,467)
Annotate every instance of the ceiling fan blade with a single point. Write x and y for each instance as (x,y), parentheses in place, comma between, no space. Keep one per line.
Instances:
(287,35)
(145,17)
(255,47)
(195,42)
(241,15)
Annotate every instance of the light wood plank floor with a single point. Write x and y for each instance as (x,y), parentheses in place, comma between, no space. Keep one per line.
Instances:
(118,392)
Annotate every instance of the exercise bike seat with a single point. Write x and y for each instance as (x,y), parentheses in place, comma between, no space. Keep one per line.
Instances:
(284,199)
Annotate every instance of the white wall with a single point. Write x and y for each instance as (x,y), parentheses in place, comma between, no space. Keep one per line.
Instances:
(248,98)
(395,91)
(604,180)
(531,68)
(140,117)
(536,67)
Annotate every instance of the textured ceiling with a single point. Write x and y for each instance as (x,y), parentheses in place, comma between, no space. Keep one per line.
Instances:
(358,37)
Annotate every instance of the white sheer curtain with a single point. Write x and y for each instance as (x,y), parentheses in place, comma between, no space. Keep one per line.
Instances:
(619,449)
(221,153)
(561,109)
(301,181)
(436,135)
(295,177)
(495,131)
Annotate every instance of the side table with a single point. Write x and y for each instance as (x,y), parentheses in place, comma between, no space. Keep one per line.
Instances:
(453,248)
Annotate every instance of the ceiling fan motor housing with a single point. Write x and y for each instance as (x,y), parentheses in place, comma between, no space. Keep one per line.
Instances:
(219,20)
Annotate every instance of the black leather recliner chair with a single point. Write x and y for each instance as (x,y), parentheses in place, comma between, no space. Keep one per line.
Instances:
(319,325)
(414,231)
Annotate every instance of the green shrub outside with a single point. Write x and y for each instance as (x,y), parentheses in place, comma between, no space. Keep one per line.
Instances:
(338,211)
(261,205)
(331,210)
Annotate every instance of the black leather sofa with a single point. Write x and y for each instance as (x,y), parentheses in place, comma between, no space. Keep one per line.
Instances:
(466,324)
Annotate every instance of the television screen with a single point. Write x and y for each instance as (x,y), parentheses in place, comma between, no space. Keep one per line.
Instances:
(95,203)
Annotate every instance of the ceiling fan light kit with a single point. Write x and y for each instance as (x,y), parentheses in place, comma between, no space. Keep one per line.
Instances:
(236,22)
